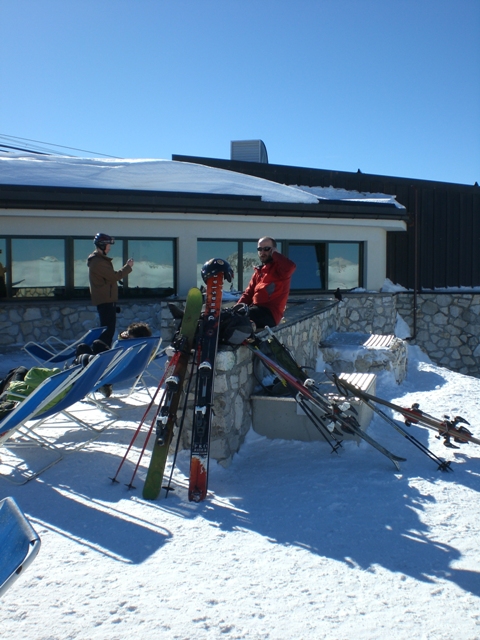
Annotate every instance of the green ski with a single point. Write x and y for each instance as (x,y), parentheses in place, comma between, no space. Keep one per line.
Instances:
(167,414)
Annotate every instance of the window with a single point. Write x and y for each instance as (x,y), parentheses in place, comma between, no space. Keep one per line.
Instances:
(57,267)
(344,265)
(325,266)
(250,261)
(242,256)
(153,269)
(310,261)
(38,266)
(321,266)
(226,249)
(3,270)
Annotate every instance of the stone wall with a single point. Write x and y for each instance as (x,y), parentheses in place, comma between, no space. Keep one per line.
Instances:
(235,382)
(368,313)
(26,321)
(447,328)
(447,324)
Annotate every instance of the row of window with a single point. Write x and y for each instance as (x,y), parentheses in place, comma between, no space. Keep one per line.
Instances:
(56,267)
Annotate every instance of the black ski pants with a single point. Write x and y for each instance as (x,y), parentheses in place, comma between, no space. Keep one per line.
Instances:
(107,313)
(261,316)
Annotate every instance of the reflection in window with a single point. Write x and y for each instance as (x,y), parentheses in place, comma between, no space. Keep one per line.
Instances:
(343,265)
(343,271)
(3,268)
(82,249)
(250,261)
(38,266)
(226,249)
(310,261)
(153,266)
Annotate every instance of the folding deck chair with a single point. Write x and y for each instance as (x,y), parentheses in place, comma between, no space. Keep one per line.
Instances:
(46,392)
(19,543)
(145,350)
(33,412)
(46,354)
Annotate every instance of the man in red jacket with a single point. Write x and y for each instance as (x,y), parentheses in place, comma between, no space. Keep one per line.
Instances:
(267,291)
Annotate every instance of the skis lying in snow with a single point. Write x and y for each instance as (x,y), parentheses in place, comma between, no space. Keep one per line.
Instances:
(443,465)
(447,428)
(338,414)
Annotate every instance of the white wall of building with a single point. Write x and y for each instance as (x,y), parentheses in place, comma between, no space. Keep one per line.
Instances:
(187,228)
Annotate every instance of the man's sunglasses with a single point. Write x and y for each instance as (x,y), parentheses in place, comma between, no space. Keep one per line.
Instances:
(264,249)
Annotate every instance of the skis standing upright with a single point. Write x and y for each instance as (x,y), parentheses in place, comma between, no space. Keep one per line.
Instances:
(213,273)
(167,414)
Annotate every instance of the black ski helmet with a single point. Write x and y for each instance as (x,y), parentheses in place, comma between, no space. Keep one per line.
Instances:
(102,239)
(214,266)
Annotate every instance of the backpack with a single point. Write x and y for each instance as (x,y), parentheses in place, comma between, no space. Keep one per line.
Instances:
(235,326)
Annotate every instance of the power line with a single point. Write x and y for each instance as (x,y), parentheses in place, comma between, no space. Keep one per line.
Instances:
(50,144)
(7,146)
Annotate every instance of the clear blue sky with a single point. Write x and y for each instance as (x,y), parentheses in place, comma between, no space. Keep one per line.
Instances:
(388,86)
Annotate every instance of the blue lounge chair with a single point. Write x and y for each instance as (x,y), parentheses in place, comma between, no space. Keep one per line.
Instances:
(34,403)
(144,351)
(33,413)
(19,543)
(47,355)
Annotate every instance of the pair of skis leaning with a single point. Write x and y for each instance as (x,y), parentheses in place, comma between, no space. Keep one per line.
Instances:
(446,428)
(197,335)
(166,417)
(213,273)
(338,417)
(205,340)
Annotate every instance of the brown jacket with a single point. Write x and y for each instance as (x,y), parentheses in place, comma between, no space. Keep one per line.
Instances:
(104,278)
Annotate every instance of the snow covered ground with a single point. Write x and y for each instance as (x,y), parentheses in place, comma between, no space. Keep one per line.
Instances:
(293,543)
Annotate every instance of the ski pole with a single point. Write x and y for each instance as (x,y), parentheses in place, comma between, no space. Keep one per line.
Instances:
(160,384)
(180,429)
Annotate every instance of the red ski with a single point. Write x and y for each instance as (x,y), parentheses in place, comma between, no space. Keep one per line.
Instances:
(213,273)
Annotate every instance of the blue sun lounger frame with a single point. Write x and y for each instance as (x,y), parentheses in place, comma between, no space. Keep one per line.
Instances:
(19,543)
(30,414)
(46,355)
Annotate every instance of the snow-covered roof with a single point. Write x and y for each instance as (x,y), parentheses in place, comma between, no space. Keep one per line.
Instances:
(332,193)
(161,175)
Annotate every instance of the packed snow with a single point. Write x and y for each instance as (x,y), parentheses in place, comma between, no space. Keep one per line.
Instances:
(294,542)
(162,175)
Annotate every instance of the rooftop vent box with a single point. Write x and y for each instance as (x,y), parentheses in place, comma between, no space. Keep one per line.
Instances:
(248,151)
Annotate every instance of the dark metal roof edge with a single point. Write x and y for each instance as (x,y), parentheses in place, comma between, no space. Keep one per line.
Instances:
(102,193)
(88,199)
(242,166)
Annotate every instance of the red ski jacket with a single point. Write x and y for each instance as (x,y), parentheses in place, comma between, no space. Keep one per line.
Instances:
(270,285)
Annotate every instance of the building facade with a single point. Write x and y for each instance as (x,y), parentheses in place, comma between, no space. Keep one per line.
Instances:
(172,228)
